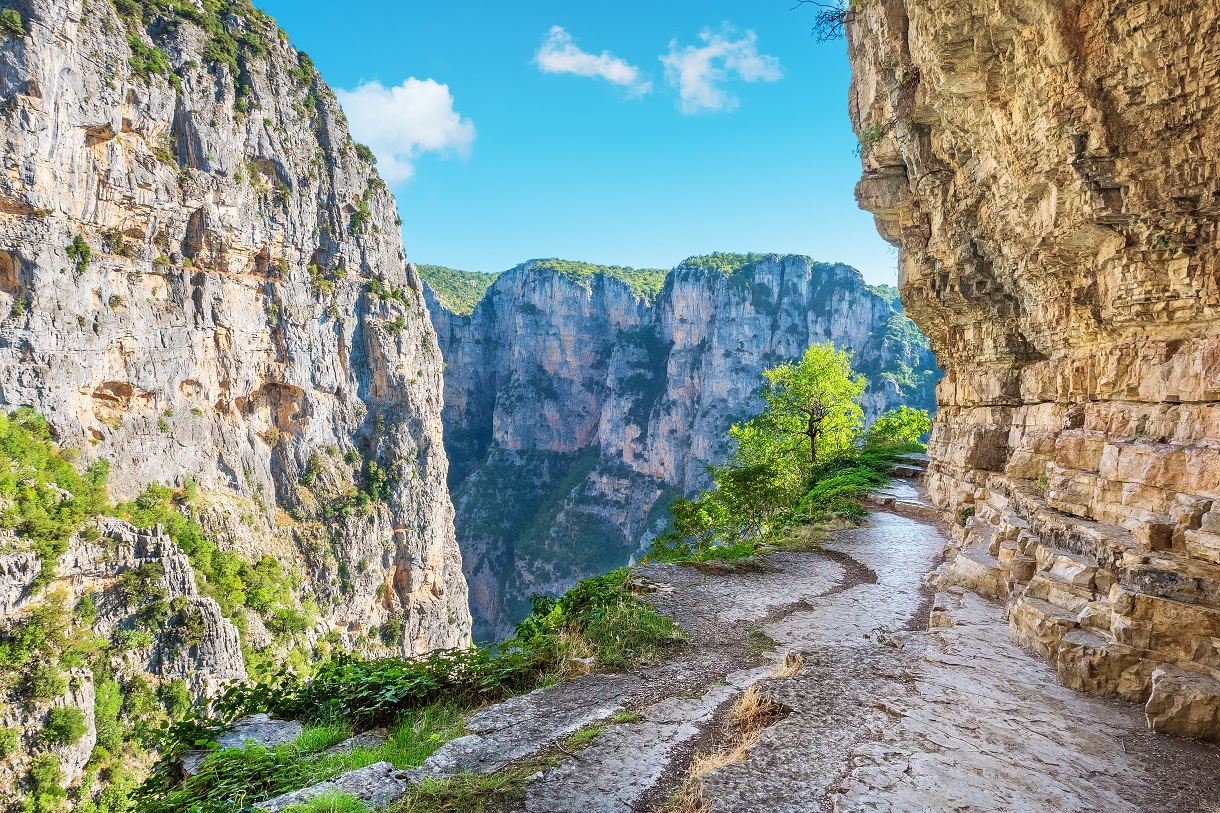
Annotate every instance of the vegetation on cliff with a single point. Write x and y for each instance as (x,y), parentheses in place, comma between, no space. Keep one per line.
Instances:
(55,642)
(643,282)
(803,459)
(421,700)
(459,291)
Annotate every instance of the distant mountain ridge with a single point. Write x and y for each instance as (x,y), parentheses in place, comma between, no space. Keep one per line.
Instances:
(580,399)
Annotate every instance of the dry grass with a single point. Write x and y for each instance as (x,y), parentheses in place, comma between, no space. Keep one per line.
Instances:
(790,666)
(749,718)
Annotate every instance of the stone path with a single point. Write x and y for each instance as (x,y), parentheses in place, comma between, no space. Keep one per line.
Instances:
(886,715)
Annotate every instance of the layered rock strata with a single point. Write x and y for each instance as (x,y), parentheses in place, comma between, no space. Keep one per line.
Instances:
(575,409)
(1049,172)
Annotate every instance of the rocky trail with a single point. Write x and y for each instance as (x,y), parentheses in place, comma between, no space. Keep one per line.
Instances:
(886,714)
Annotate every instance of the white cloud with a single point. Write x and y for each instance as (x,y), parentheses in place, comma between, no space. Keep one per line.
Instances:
(699,71)
(402,123)
(559,54)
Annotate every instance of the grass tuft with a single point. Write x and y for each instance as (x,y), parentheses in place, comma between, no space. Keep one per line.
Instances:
(791,665)
(751,715)
(330,803)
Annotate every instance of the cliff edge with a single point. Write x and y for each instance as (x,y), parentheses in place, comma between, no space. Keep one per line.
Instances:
(1049,172)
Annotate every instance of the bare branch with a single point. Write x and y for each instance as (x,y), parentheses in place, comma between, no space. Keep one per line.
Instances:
(829,19)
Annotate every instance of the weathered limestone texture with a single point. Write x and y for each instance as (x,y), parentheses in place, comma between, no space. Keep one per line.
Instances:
(245,318)
(1049,172)
(576,410)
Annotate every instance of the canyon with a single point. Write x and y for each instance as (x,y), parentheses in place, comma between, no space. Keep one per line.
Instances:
(1049,173)
(207,315)
(580,399)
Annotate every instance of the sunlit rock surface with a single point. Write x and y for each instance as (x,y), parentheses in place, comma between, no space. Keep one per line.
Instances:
(1049,172)
(576,410)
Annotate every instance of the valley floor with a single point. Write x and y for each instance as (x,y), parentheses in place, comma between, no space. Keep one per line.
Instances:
(885,715)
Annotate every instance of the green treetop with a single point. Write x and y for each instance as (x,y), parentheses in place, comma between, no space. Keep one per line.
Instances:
(812,407)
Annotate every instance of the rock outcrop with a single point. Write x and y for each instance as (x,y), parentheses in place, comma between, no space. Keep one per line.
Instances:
(203,280)
(145,606)
(575,409)
(1049,172)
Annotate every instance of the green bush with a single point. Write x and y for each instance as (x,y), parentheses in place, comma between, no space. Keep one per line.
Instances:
(40,636)
(80,253)
(10,740)
(46,682)
(11,23)
(46,795)
(33,478)
(65,725)
(143,583)
(903,425)
(107,705)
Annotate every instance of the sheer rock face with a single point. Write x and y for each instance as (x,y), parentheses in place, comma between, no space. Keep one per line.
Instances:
(223,329)
(575,412)
(1049,171)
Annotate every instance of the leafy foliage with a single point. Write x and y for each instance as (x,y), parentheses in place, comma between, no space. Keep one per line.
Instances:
(42,496)
(45,794)
(803,459)
(65,725)
(643,282)
(889,293)
(80,253)
(727,264)
(903,425)
(459,291)
(227,577)
(11,23)
(811,410)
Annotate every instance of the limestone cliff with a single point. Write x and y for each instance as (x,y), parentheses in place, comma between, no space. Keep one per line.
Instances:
(576,408)
(1049,171)
(202,282)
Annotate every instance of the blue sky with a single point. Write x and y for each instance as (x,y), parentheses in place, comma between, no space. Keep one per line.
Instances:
(637,132)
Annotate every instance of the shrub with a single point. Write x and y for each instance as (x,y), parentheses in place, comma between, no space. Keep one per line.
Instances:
(11,23)
(10,739)
(46,794)
(80,253)
(107,704)
(143,583)
(903,425)
(33,479)
(46,682)
(65,725)
(365,154)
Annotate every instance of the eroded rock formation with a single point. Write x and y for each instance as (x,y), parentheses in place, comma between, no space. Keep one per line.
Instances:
(202,282)
(1049,171)
(221,325)
(575,410)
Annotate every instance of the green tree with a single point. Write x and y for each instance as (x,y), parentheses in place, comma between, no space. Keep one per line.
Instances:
(899,426)
(11,23)
(812,409)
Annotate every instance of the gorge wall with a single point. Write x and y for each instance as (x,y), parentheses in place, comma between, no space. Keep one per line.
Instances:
(1049,172)
(576,409)
(202,282)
